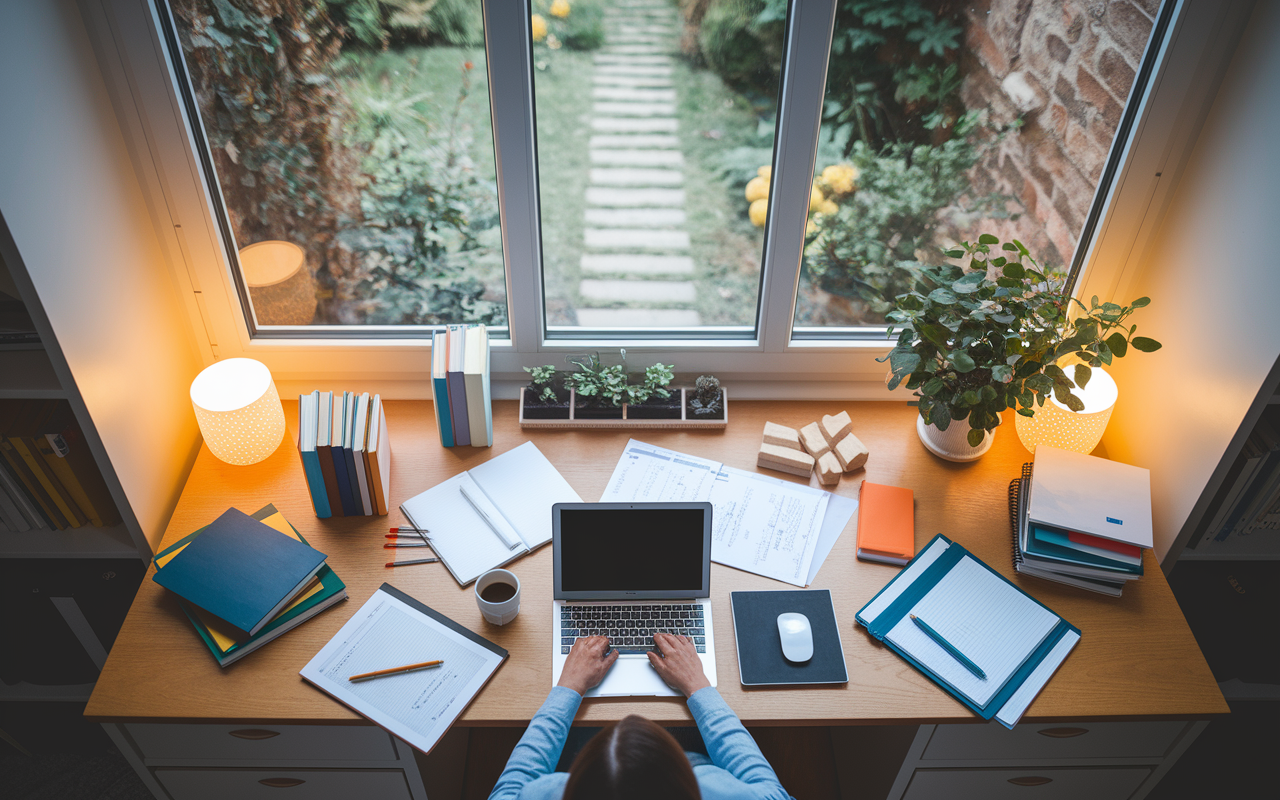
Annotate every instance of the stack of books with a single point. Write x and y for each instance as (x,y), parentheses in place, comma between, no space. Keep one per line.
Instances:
(48,478)
(460,385)
(1251,502)
(245,580)
(1081,520)
(346,454)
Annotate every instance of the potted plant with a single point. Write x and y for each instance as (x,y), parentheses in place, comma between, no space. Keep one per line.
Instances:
(600,390)
(546,396)
(974,340)
(652,398)
(706,402)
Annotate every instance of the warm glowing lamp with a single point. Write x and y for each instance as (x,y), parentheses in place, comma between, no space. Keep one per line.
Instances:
(239,410)
(1058,426)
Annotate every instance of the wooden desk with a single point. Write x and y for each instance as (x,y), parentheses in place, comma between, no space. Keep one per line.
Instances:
(1136,659)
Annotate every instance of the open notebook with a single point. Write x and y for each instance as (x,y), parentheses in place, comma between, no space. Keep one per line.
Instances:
(1017,642)
(504,513)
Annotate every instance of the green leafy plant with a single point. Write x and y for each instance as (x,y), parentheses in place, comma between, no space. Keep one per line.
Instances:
(542,383)
(605,385)
(656,380)
(974,340)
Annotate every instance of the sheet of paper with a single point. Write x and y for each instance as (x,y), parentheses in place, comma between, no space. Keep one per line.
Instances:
(462,539)
(416,706)
(991,622)
(839,511)
(524,485)
(760,524)
(1016,705)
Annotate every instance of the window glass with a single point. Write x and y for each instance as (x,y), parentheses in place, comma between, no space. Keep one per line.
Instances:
(943,121)
(655,123)
(352,143)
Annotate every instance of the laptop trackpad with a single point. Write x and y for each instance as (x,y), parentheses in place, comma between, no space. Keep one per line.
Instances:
(632,675)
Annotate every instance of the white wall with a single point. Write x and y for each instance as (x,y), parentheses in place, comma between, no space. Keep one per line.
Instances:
(73,204)
(1214,284)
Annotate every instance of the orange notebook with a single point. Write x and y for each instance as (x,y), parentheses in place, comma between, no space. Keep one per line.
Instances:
(886,524)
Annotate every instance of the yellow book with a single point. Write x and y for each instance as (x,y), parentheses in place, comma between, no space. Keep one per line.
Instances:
(69,481)
(36,464)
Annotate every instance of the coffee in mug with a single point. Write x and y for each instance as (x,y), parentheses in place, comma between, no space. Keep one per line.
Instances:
(498,596)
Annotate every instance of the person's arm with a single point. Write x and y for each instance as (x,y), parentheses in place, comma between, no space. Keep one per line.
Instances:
(729,745)
(539,749)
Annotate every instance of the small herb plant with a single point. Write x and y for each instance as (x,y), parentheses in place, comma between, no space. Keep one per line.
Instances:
(609,386)
(542,383)
(656,380)
(974,341)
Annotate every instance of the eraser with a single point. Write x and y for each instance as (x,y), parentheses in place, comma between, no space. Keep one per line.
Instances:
(851,452)
(828,469)
(812,439)
(834,428)
(781,436)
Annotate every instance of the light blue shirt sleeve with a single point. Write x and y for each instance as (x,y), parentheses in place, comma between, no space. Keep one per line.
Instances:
(737,769)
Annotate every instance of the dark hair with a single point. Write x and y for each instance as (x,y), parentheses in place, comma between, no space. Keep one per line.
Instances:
(634,759)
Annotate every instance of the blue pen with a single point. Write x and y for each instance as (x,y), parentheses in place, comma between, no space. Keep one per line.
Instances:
(937,637)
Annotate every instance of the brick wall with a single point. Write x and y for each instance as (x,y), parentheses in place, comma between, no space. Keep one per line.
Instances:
(1065,66)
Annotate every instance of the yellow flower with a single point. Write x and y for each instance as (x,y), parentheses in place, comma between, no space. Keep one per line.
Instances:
(757,189)
(560,8)
(840,178)
(758,211)
(815,199)
(539,26)
(828,207)
(765,172)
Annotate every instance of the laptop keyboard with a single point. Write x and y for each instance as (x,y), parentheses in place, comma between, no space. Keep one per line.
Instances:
(630,628)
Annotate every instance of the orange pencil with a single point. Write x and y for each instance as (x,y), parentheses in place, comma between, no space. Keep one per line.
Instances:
(396,670)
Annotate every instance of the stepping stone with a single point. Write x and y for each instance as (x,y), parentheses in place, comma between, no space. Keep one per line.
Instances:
(634,198)
(639,28)
(638,158)
(637,177)
(633,95)
(634,109)
(624,60)
(636,49)
(633,142)
(637,264)
(637,291)
(653,70)
(624,125)
(638,238)
(626,35)
(638,318)
(634,81)
(635,217)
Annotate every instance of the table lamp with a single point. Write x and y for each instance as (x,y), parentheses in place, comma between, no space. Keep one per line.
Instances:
(238,410)
(1058,426)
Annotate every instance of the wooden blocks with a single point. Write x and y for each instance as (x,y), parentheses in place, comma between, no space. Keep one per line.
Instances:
(851,452)
(784,459)
(829,469)
(815,444)
(835,428)
(781,436)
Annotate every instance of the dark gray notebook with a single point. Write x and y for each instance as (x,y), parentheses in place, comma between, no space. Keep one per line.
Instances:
(755,628)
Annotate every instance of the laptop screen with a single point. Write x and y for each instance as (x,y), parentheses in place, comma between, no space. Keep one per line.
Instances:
(611,551)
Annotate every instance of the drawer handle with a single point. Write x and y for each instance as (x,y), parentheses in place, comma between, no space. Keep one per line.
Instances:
(281,783)
(1031,780)
(254,734)
(1063,733)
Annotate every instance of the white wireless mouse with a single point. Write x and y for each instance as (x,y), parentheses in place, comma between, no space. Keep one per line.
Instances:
(797,637)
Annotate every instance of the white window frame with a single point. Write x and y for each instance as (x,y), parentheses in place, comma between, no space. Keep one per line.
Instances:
(141,81)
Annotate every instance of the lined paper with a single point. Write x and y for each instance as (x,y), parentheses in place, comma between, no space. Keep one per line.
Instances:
(524,485)
(991,622)
(467,545)
(1016,705)
(902,582)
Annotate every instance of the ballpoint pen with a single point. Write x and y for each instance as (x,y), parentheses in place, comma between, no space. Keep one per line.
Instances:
(510,544)
(414,561)
(956,654)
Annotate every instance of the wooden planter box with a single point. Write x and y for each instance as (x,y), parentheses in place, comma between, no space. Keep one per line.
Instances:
(685,420)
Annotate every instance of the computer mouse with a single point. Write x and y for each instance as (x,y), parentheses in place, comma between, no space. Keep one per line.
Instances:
(797,637)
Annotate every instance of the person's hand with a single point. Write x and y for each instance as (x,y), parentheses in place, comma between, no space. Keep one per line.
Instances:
(681,668)
(588,662)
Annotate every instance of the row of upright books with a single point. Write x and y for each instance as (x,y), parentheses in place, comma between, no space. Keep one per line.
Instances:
(460,385)
(1251,503)
(1081,520)
(346,454)
(48,477)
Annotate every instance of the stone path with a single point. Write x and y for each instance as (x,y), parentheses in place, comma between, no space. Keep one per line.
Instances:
(636,269)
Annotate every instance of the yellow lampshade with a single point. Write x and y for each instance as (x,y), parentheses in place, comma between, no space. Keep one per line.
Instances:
(1058,426)
(238,410)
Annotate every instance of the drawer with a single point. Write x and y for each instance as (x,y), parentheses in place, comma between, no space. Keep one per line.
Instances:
(993,742)
(279,784)
(1031,783)
(274,743)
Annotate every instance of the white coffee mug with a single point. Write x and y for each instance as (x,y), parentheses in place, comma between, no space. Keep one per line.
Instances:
(506,596)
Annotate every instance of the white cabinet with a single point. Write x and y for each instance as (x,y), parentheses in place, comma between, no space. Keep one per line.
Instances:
(1098,760)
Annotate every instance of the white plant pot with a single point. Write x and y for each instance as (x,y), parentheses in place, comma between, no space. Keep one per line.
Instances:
(953,443)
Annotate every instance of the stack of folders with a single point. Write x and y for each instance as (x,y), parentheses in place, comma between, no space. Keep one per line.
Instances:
(346,454)
(460,385)
(48,478)
(1081,520)
(246,580)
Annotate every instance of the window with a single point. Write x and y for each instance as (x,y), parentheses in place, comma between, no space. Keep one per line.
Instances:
(1017,103)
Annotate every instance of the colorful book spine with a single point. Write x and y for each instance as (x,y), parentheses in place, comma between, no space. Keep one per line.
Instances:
(457,385)
(340,456)
(308,411)
(440,386)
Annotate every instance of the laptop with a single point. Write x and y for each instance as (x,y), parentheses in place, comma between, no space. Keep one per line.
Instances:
(626,570)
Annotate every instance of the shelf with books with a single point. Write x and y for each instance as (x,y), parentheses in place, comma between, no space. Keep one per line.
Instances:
(28,374)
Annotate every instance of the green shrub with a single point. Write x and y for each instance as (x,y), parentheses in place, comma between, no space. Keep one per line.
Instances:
(730,42)
(584,27)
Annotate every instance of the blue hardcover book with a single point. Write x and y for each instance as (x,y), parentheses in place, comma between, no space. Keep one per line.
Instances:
(341,447)
(440,386)
(241,571)
(308,415)
(457,384)
(1040,544)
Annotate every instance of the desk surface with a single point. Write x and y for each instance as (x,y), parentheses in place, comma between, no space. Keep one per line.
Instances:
(1136,657)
